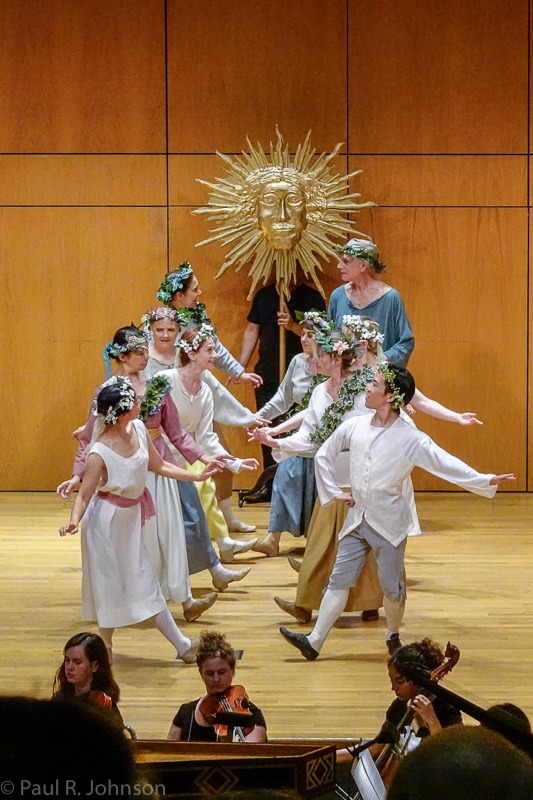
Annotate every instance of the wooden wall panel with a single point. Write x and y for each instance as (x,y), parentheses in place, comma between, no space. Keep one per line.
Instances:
(73,276)
(83,180)
(83,77)
(184,170)
(433,77)
(441,180)
(452,269)
(237,70)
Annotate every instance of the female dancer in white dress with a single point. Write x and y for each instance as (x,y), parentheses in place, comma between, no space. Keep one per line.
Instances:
(177,538)
(180,290)
(194,400)
(120,586)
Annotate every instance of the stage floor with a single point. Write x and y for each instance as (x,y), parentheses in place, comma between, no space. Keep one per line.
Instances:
(469,580)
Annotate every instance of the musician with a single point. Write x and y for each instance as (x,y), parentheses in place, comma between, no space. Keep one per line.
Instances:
(216,664)
(86,675)
(430,715)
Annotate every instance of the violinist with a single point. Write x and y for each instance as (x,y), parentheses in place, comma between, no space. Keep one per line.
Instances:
(194,721)
(86,675)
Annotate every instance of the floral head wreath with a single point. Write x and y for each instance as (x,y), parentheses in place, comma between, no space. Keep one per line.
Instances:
(174,283)
(133,342)
(398,398)
(190,345)
(125,402)
(318,320)
(155,314)
(335,342)
(362,328)
(372,256)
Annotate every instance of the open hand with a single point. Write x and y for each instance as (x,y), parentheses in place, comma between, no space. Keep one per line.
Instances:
(249,463)
(66,488)
(468,418)
(497,479)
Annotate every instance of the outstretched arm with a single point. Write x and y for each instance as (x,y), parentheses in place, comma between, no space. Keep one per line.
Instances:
(157,464)
(434,459)
(434,409)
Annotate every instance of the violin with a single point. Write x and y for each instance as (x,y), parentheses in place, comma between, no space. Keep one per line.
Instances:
(101,699)
(233,701)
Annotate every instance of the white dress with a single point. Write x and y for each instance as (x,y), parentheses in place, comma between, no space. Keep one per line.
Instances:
(120,586)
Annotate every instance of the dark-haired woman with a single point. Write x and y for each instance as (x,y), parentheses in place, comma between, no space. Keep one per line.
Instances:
(86,674)
(430,716)
(179,512)
(120,586)
(216,664)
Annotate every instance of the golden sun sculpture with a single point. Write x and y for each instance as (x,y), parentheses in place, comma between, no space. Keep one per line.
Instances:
(280,211)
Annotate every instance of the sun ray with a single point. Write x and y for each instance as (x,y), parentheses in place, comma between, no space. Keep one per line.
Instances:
(321,197)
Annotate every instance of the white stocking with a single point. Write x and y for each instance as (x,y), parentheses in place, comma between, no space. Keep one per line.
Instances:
(331,608)
(394,610)
(164,622)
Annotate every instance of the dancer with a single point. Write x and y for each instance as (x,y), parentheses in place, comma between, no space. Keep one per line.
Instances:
(194,721)
(384,449)
(180,290)
(177,538)
(293,488)
(327,521)
(120,586)
(194,400)
(86,675)
(264,321)
(364,294)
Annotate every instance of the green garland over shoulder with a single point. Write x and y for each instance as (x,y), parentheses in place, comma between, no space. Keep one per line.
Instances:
(156,389)
(334,414)
(303,404)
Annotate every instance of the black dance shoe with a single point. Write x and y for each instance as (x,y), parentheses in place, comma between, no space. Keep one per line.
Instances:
(301,643)
(262,495)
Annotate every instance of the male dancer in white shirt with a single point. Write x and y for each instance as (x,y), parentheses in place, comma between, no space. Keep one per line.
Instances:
(384,449)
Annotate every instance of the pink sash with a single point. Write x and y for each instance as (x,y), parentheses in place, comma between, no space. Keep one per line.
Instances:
(145,499)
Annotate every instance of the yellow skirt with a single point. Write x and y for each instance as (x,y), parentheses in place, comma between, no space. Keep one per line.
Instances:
(207,493)
(319,558)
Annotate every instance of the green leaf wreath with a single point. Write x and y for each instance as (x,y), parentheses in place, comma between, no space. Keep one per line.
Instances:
(156,389)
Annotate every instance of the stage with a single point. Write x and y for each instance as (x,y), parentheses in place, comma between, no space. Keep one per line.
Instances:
(469,580)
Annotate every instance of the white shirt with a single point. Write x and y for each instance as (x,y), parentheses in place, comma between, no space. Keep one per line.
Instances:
(379,464)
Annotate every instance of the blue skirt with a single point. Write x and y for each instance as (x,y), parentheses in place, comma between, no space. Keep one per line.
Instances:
(293,496)
(200,552)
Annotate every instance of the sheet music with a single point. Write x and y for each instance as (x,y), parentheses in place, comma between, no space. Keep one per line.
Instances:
(367,778)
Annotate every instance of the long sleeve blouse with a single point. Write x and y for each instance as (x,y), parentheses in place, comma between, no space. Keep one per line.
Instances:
(294,386)
(381,459)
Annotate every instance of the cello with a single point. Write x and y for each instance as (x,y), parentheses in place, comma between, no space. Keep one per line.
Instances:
(376,775)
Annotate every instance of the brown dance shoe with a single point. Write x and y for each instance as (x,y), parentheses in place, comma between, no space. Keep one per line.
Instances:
(370,615)
(299,613)
(295,564)
(199,606)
